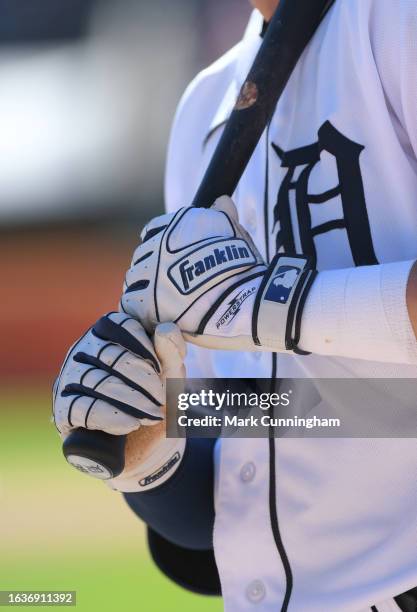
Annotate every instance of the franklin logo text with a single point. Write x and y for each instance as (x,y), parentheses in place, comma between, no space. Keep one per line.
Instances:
(207,262)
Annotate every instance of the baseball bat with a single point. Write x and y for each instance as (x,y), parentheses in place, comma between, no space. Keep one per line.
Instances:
(288,33)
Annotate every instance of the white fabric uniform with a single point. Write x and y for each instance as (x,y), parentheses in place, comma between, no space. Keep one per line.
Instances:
(345,135)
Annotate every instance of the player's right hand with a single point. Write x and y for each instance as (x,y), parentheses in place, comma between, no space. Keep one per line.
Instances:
(110,380)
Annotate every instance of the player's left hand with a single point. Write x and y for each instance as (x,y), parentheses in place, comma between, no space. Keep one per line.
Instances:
(200,268)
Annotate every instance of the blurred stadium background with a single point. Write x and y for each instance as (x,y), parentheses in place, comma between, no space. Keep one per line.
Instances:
(88,89)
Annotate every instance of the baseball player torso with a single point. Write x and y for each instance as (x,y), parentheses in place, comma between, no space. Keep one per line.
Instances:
(320,525)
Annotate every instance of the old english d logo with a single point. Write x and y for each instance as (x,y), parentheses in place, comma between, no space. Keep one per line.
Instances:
(354,221)
(205,263)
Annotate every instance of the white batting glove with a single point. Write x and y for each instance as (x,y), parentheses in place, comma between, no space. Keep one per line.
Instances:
(153,458)
(200,268)
(113,380)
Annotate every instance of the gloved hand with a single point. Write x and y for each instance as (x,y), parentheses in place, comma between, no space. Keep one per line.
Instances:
(114,380)
(200,268)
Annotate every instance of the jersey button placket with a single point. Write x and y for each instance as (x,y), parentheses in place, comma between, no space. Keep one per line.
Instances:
(248,472)
(255,591)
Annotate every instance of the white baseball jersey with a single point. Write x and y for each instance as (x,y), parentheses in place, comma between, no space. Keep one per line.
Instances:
(318,525)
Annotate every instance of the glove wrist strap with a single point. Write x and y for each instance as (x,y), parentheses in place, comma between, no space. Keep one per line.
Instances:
(276,321)
(153,472)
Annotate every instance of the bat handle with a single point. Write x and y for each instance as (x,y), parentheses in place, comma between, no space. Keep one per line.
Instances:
(95,453)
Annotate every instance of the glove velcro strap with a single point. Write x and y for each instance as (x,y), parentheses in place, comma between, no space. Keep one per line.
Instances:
(276,321)
(154,471)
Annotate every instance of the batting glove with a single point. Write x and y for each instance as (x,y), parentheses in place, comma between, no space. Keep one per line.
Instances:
(113,380)
(200,268)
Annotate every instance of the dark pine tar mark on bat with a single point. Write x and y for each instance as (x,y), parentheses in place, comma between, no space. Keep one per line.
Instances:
(354,221)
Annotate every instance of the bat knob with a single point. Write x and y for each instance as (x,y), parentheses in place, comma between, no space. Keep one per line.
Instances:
(95,453)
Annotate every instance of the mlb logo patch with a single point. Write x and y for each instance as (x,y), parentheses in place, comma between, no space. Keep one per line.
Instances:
(281,284)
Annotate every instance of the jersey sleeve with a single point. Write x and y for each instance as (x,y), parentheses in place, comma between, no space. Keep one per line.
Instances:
(180,519)
(182,165)
(186,161)
(185,164)
(167,508)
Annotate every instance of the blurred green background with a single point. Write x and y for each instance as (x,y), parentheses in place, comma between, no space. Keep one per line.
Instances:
(82,154)
(60,531)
